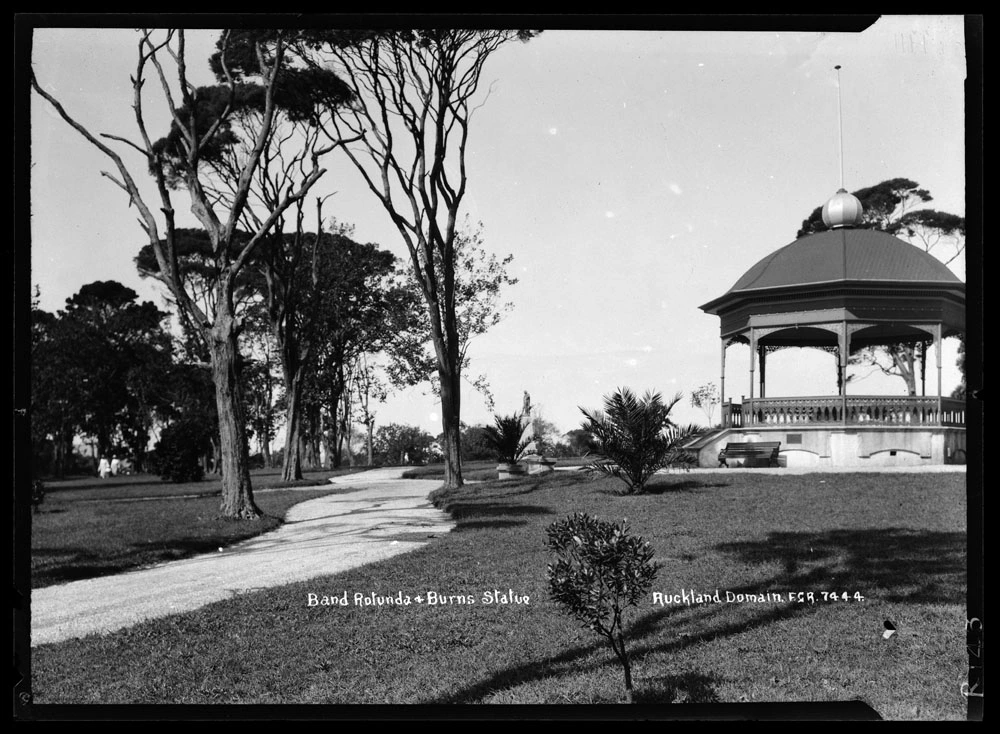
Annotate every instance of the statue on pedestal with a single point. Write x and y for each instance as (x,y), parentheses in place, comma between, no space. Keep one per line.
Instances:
(537,463)
(529,432)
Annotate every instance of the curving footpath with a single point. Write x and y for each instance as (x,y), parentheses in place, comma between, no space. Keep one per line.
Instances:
(319,537)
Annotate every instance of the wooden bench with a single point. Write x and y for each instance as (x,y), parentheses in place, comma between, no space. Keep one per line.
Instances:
(760,453)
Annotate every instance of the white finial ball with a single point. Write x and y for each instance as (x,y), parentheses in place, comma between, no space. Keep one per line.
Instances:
(843,210)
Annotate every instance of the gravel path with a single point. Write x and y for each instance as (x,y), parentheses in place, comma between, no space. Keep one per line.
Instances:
(319,537)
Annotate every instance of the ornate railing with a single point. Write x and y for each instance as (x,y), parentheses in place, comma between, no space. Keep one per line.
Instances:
(876,410)
(732,414)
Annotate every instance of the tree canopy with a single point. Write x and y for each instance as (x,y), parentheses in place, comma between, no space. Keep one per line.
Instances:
(100,368)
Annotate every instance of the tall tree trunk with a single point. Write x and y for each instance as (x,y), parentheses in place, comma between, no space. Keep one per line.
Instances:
(371,442)
(237,491)
(348,428)
(444,336)
(303,450)
(292,468)
(310,448)
(59,460)
(327,450)
(268,414)
(336,435)
(335,444)
(314,437)
(451,422)
(325,443)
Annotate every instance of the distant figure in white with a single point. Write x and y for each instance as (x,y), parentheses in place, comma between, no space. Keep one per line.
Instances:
(116,466)
(104,468)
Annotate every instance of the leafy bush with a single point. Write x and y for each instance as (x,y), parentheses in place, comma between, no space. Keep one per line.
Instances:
(475,447)
(580,442)
(505,438)
(600,570)
(400,445)
(151,462)
(636,438)
(180,449)
(41,457)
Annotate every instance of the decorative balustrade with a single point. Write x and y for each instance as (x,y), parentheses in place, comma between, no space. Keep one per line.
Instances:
(875,410)
(732,414)
(952,412)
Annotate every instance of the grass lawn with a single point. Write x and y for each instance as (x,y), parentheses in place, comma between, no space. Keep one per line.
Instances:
(94,527)
(897,540)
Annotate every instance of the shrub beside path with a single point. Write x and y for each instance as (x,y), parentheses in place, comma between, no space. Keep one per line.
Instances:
(387,516)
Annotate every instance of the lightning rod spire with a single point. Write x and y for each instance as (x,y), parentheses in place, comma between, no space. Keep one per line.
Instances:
(840,121)
(844,209)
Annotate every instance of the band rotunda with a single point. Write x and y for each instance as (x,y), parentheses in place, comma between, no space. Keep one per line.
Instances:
(841,290)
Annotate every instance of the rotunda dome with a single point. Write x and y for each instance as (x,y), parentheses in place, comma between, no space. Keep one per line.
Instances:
(842,210)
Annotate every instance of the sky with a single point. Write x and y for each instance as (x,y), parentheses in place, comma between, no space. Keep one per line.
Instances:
(633,176)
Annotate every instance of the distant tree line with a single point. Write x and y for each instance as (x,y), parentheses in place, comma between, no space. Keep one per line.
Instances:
(111,372)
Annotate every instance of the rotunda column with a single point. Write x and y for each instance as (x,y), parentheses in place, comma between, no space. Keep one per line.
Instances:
(722,384)
(937,353)
(923,368)
(843,344)
(762,355)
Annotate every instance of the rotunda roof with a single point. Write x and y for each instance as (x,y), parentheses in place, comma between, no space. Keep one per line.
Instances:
(845,255)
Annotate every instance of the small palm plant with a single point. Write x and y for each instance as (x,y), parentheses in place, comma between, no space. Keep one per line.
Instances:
(505,438)
(636,438)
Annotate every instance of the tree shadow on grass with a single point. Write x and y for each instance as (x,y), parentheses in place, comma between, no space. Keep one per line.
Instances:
(518,675)
(905,565)
(687,687)
(684,485)
(666,485)
(644,636)
(488,525)
(493,515)
(485,511)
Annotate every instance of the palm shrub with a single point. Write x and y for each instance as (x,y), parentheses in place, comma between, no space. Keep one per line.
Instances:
(635,438)
(505,437)
(600,571)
